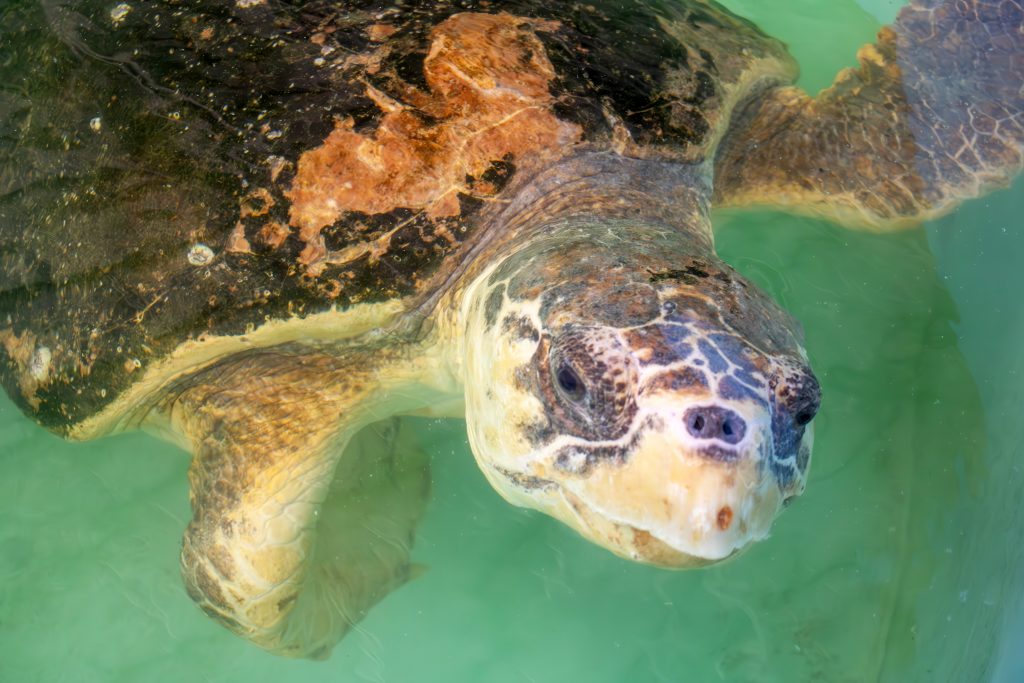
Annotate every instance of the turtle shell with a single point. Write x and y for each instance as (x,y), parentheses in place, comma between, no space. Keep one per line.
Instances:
(175,174)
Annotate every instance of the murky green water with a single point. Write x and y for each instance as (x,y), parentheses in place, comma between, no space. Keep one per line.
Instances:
(904,561)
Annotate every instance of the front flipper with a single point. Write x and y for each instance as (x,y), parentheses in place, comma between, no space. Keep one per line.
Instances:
(297,530)
(933,115)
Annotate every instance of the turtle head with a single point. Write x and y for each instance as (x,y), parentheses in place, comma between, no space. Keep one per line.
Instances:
(646,395)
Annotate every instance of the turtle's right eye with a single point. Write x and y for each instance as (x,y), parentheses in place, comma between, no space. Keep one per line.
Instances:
(570,383)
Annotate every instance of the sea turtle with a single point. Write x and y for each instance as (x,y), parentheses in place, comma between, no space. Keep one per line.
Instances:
(262,228)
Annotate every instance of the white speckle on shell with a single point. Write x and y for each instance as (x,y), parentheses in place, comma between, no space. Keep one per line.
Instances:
(246,4)
(118,14)
(200,255)
(39,366)
(96,124)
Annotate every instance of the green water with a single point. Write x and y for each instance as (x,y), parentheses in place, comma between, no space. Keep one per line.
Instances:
(904,560)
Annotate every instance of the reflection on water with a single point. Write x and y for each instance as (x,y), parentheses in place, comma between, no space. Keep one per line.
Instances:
(902,561)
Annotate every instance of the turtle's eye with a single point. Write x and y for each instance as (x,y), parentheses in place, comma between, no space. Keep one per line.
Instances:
(802,397)
(569,382)
(587,383)
(804,416)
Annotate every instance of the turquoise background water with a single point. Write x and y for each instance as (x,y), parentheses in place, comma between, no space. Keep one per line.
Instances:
(904,560)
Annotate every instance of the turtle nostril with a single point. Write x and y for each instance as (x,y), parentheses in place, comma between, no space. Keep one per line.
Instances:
(713,422)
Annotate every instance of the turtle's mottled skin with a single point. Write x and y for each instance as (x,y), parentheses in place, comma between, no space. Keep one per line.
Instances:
(260,228)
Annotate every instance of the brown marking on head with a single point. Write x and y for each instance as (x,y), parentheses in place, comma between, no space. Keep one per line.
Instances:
(488,77)
(724,518)
(615,301)
(676,381)
(642,540)
(520,327)
(709,290)
(654,551)
(657,344)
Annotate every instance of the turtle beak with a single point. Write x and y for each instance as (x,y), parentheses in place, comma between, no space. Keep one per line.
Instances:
(679,500)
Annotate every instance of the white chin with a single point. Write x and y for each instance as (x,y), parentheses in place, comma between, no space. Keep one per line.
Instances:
(699,536)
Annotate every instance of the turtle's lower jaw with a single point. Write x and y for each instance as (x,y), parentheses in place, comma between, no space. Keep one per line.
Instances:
(640,544)
(677,534)
(706,538)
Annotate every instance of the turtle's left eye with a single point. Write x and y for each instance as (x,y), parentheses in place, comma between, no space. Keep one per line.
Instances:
(805,416)
(570,383)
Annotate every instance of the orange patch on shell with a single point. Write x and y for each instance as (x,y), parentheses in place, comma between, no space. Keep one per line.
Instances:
(237,243)
(273,234)
(488,76)
(257,203)
(380,32)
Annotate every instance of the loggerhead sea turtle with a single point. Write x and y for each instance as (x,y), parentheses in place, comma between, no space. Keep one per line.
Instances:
(260,228)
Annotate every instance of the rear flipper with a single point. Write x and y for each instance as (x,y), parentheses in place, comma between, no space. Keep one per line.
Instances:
(933,115)
(297,530)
